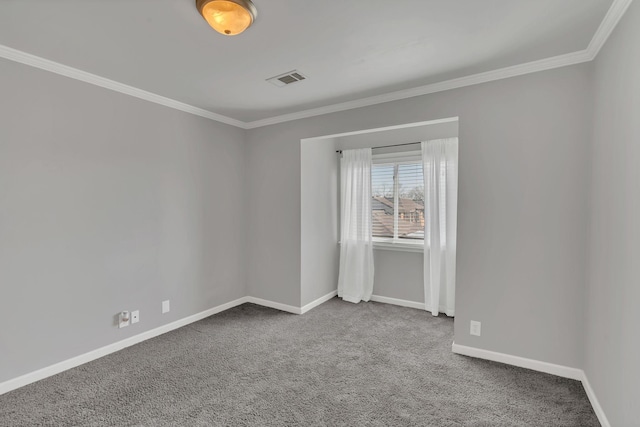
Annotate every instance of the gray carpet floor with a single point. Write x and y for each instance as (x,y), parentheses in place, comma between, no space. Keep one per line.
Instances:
(340,364)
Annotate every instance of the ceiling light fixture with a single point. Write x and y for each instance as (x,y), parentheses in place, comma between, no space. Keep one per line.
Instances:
(228,17)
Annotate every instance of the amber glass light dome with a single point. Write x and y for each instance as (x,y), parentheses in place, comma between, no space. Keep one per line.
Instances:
(228,17)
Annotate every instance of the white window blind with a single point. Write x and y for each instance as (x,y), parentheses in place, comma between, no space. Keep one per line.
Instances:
(397,206)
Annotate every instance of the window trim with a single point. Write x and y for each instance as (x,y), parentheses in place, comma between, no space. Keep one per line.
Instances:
(404,245)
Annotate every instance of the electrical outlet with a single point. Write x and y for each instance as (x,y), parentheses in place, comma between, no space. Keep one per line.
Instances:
(135,316)
(165,307)
(475,328)
(123,319)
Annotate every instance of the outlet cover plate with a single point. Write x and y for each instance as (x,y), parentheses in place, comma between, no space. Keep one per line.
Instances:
(165,307)
(135,316)
(475,328)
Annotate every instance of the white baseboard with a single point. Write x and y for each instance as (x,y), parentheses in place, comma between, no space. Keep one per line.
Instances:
(536,365)
(56,368)
(319,301)
(595,404)
(276,305)
(396,301)
(406,303)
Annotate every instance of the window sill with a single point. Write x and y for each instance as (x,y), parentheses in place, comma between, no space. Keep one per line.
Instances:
(391,245)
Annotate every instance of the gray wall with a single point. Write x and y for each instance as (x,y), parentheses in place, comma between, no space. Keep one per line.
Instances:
(108,203)
(524,161)
(613,296)
(319,219)
(398,275)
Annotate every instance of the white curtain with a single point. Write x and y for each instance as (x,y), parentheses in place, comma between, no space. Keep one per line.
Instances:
(355,281)
(440,167)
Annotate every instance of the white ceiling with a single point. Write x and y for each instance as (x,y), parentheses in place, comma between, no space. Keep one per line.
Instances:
(349,49)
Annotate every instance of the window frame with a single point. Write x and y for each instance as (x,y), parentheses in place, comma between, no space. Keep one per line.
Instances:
(395,243)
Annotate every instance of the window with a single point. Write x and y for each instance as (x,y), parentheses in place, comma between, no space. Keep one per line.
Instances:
(397,208)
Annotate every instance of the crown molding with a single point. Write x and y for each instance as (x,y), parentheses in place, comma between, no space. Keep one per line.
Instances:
(474,79)
(74,73)
(608,24)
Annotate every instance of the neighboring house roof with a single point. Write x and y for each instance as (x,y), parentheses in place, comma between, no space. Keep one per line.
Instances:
(386,204)
(382,204)
(382,224)
(410,205)
(384,201)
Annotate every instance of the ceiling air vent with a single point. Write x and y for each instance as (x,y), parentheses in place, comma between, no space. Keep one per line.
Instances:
(287,78)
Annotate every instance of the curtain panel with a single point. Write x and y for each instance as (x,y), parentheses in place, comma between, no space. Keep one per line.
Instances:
(440,169)
(355,281)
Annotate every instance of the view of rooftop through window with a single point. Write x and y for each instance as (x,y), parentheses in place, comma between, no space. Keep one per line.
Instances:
(397,208)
